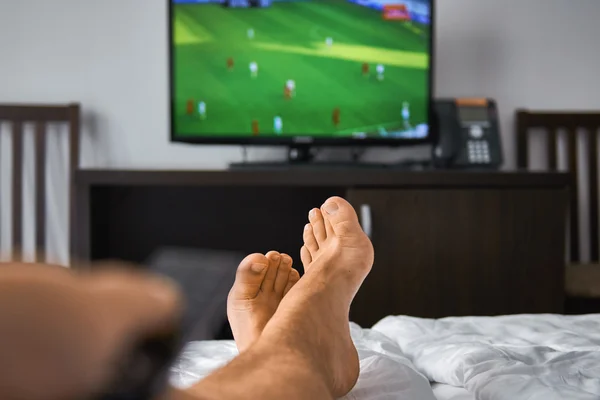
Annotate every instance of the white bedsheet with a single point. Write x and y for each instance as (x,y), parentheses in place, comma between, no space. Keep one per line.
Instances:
(447,392)
(385,373)
(541,357)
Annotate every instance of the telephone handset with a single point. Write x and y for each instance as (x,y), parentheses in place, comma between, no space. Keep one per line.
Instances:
(468,134)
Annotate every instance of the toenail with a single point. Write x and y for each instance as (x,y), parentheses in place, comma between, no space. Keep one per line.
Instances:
(331,208)
(307,227)
(274,257)
(312,213)
(258,267)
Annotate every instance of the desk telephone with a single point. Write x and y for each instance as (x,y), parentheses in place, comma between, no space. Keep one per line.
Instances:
(468,134)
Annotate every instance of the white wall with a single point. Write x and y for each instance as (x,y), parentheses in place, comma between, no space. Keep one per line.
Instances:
(111,55)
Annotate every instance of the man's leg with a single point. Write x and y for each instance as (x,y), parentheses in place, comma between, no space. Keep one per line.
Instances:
(305,350)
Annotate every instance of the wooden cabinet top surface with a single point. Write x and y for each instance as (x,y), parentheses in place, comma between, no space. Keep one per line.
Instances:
(321,177)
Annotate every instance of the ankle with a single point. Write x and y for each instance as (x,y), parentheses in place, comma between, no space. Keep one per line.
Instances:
(286,352)
(296,344)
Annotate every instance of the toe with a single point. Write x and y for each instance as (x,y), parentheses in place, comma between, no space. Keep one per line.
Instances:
(274,261)
(305,257)
(318,225)
(249,277)
(293,278)
(285,267)
(342,217)
(310,242)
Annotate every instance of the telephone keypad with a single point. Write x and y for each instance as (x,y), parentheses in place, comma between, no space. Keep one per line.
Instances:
(479,151)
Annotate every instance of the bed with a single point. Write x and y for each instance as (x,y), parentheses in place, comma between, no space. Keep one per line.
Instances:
(533,357)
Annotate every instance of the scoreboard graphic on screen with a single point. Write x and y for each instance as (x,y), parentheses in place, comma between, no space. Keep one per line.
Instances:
(396,12)
(246,3)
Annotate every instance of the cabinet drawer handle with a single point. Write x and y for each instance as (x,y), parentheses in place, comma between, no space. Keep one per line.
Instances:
(365,219)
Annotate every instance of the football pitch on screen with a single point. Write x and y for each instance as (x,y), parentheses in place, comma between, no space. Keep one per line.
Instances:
(324,47)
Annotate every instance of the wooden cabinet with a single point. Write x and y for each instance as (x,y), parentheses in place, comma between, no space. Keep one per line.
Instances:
(442,252)
(446,243)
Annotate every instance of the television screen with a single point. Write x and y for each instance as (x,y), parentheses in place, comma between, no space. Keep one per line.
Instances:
(330,71)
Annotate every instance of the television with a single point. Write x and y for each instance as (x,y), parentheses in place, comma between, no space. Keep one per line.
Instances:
(321,72)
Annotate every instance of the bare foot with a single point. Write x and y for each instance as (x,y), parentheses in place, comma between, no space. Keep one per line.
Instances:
(260,284)
(313,317)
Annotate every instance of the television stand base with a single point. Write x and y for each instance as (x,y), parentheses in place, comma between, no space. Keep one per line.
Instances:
(302,157)
(412,165)
(306,165)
